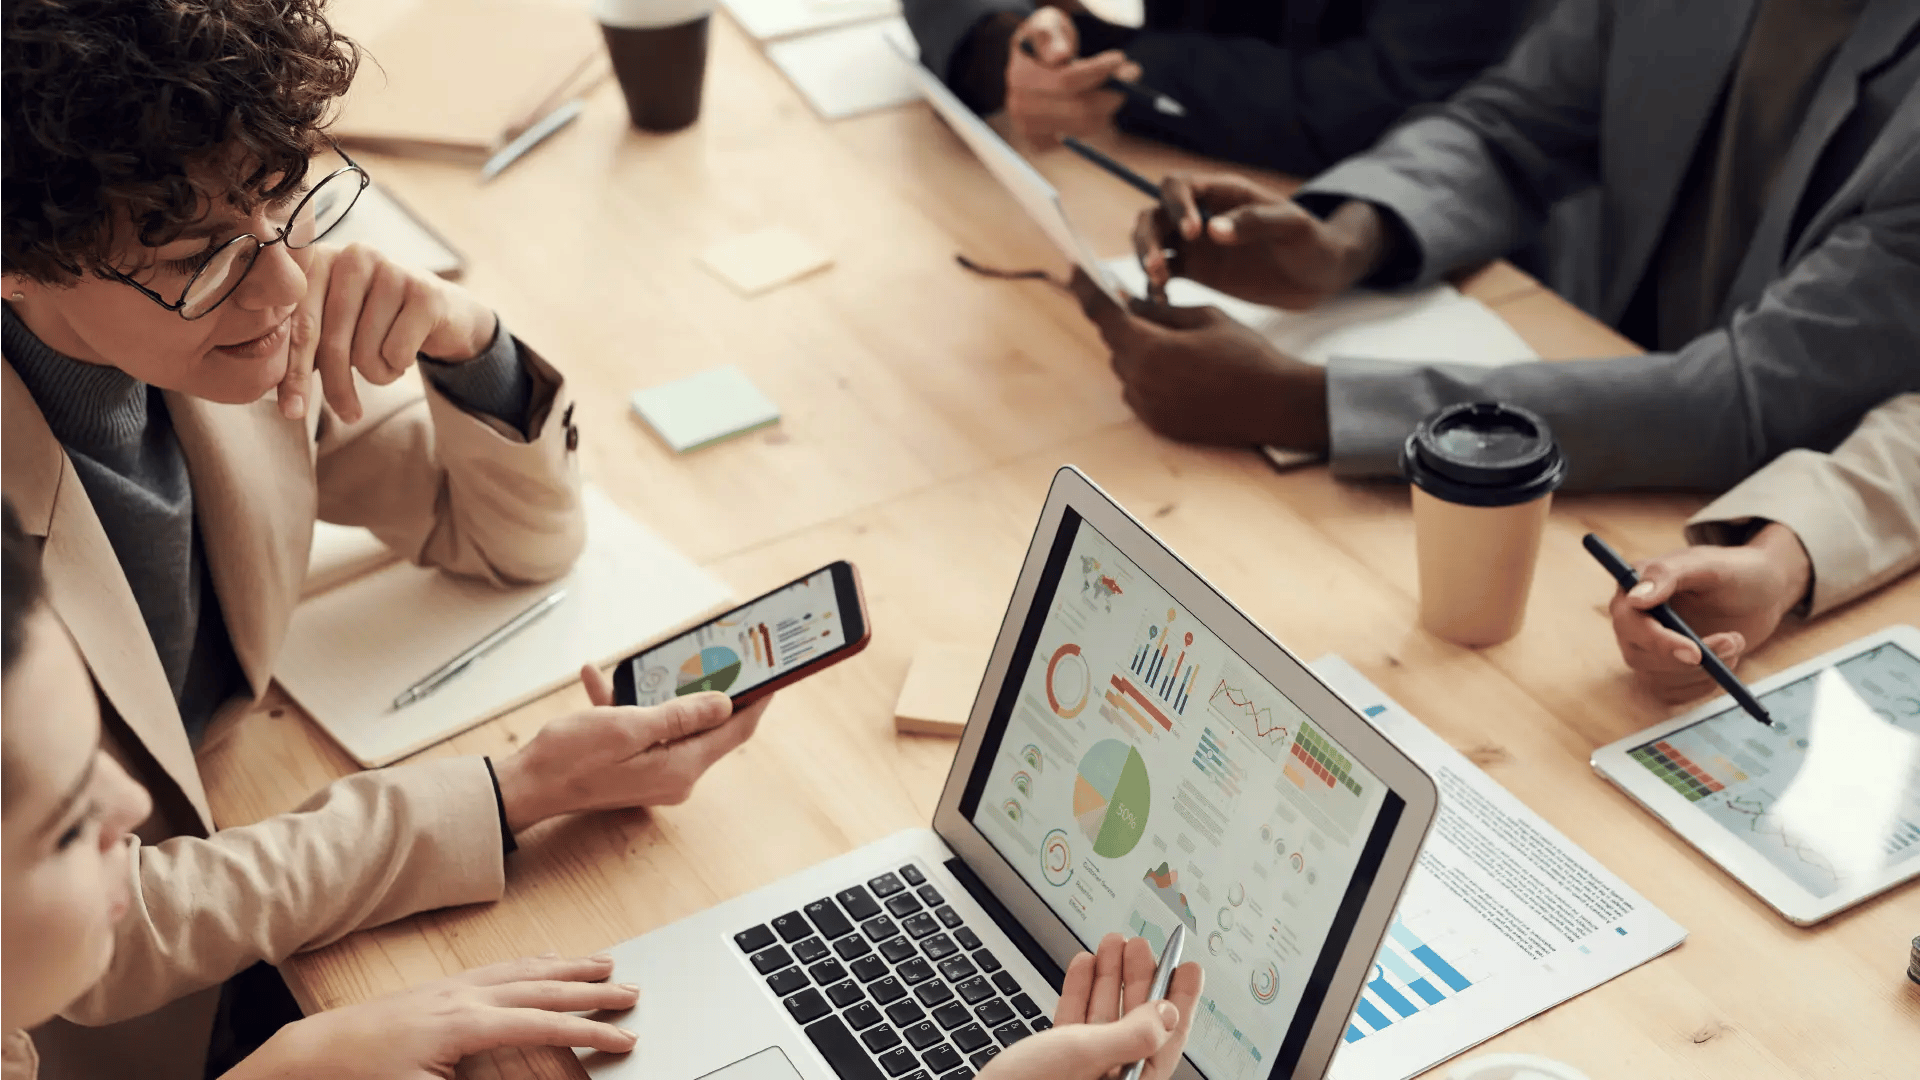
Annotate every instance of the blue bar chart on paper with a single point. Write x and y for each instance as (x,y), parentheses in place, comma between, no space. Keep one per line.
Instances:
(1409,975)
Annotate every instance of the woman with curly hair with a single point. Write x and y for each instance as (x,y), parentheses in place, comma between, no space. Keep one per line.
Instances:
(192,376)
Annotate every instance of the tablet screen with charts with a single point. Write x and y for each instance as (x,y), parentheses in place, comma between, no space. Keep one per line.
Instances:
(1815,813)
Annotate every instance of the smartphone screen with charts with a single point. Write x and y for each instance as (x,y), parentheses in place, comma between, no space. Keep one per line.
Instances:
(797,629)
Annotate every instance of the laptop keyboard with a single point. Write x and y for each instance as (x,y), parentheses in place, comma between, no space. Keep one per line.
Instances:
(890,984)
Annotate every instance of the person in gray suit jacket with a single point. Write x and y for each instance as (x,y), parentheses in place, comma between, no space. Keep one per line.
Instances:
(1758,166)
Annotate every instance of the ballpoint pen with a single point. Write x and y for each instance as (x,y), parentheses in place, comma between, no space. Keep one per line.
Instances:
(1162,976)
(1127,176)
(447,671)
(566,113)
(1623,573)
(1147,95)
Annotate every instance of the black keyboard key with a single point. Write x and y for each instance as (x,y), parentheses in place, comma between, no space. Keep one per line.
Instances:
(986,960)
(845,994)
(918,1074)
(1011,1032)
(827,972)
(770,961)
(958,969)
(933,993)
(920,925)
(887,990)
(942,1058)
(952,1015)
(828,920)
(880,1038)
(967,938)
(939,947)
(879,928)
(971,1038)
(897,949)
(905,1013)
(979,1060)
(1026,1006)
(930,896)
(975,990)
(858,903)
(913,875)
(959,1074)
(807,1006)
(842,1050)
(1006,982)
(903,905)
(791,927)
(898,1061)
(885,885)
(922,1035)
(789,981)
(948,917)
(914,971)
(809,950)
(1041,1023)
(752,941)
(869,968)
(850,947)
(994,1013)
(862,1016)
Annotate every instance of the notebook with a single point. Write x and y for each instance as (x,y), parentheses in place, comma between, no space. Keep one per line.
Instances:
(354,647)
(457,79)
(765,20)
(850,70)
(385,224)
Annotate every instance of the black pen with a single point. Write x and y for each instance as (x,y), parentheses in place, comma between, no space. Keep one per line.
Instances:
(1146,95)
(1623,573)
(1132,179)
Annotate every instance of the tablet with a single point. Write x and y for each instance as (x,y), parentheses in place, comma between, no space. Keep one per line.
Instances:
(1814,814)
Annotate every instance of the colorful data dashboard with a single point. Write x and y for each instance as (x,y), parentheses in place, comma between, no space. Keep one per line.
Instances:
(745,647)
(1147,778)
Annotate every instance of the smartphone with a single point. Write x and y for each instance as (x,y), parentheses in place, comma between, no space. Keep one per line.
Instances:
(802,627)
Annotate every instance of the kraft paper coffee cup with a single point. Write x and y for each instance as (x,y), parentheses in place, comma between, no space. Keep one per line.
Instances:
(1483,477)
(659,54)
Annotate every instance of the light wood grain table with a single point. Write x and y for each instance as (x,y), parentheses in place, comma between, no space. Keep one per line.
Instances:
(924,411)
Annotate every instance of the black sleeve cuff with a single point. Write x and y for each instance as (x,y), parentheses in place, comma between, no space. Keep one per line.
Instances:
(508,845)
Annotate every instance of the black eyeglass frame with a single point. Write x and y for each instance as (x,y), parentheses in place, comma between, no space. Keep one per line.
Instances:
(178,307)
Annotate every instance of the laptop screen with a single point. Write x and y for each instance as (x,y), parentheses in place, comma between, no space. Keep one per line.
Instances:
(1136,773)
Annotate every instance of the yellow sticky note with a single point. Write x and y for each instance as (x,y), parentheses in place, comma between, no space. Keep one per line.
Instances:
(759,261)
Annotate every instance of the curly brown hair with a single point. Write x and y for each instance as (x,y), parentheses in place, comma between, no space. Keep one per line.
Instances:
(108,103)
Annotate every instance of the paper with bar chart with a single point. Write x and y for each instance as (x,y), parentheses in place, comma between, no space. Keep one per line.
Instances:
(746,646)
(1147,780)
(1503,919)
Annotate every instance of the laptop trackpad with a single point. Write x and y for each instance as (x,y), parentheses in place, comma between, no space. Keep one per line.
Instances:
(768,1064)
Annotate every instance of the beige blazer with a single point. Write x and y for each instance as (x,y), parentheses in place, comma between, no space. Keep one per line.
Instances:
(1855,510)
(445,487)
(368,850)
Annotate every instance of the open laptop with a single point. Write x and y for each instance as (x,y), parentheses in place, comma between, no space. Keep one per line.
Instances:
(1140,752)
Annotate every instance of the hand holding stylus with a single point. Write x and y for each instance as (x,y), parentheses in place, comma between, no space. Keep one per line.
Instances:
(1107,1020)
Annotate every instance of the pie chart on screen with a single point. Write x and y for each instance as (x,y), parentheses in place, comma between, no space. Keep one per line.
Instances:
(1111,795)
(712,668)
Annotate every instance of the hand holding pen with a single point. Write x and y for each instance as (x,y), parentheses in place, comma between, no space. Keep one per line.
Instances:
(1052,91)
(1110,1019)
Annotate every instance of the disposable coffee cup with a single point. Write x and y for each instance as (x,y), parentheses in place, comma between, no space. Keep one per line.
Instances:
(659,54)
(1483,477)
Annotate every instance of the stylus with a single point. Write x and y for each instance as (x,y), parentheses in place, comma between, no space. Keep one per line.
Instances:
(1146,95)
(480,648)
(1623,573)
(1162,976)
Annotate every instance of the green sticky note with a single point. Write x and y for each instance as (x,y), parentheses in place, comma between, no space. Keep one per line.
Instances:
(703,409)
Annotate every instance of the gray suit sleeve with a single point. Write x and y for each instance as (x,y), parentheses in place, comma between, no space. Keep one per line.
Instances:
(1476,177)
(1828,341)
(940,26)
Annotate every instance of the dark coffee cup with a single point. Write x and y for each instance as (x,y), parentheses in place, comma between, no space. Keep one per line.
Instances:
(659,54)
(1483,478)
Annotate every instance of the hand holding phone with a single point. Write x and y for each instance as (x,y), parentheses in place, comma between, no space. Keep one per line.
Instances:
(774,640)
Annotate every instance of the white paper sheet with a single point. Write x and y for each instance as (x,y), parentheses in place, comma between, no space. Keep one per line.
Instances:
(1503,919)
(765,20)
(352,650)
(848,71)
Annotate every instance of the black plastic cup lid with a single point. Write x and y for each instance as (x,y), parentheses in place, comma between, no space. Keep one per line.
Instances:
(1483,453)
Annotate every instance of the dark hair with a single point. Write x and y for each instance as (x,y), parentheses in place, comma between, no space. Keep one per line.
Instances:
(21,586)
(107,103)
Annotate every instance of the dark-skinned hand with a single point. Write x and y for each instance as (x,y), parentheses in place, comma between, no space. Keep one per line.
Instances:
(1195,375)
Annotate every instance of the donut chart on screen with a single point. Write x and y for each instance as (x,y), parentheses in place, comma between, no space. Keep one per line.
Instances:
(712,668)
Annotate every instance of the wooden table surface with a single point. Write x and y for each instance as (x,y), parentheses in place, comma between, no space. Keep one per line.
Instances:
(924,411)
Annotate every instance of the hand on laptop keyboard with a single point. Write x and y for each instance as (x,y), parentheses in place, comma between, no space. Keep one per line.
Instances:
(1104,1021)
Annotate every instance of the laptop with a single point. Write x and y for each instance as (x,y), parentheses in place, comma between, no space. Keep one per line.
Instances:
(1140,754)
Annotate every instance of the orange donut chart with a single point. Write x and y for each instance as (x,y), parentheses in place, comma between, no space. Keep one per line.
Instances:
(1066,712)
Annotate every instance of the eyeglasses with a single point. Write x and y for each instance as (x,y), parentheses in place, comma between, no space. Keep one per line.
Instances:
(217,278)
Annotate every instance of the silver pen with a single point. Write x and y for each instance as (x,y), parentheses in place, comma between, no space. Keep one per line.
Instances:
(1162,975)
(566,113)
(446,672)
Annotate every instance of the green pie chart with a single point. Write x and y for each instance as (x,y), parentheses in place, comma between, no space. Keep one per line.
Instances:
(1111,795)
